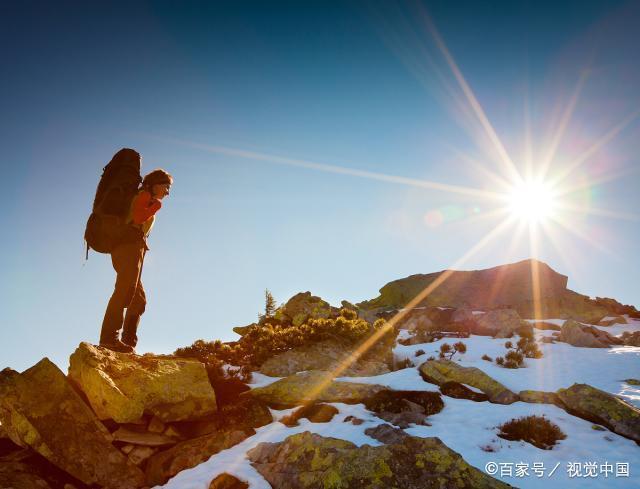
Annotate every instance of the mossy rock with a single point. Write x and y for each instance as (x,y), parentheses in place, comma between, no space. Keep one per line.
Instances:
(441,371)
(312,386)
(540,397)
(600,407)
(312,461)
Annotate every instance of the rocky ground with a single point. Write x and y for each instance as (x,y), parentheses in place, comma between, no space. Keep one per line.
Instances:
(322,416)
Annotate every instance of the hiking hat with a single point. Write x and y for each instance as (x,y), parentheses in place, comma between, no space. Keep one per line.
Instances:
(157,177)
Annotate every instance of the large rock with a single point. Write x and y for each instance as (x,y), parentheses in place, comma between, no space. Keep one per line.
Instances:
(303,306)
(18,475)
(509,286)
(165,464)
(311,461)
(40,409)
(577,334)
(226,481)
(540,397)
(442,371)
(601,407)
(315,385)
(123,387)
(404,408)
(325,355)
(499,323)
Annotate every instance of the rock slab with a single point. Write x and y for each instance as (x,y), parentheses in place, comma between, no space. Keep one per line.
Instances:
(124,387)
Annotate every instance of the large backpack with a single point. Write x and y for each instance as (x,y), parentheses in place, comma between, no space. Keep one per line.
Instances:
(107,226)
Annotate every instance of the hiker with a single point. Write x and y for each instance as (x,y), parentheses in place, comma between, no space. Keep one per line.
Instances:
(127,256)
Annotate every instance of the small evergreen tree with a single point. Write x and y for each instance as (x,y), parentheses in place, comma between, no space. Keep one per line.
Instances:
(270,306)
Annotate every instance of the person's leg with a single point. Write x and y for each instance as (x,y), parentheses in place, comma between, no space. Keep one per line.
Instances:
(132,317)
(126,260)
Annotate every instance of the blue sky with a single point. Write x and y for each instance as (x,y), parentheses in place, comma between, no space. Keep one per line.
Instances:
(245,102)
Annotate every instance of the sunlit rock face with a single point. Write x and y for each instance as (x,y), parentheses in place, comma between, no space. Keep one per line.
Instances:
(503,286)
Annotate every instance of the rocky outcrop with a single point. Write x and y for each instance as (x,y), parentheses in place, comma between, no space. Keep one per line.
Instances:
(312,386)
(165,464)
(577,334)
(124,387)
(505,286)
(611,320)
(40,409)
(616,308)
(325,355)
(311,461)
(461,391)
(631,339)
(303,306)
(499,323)
(440,371)
(601,407)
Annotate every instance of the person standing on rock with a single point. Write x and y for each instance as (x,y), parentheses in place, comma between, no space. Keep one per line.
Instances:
(127,258)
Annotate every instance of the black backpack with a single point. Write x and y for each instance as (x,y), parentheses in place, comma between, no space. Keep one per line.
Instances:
(106,226)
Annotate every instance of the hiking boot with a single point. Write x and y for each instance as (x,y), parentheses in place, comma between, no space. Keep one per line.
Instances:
(117,345)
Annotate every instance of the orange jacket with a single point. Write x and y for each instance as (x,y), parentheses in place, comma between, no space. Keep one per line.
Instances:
(143,210)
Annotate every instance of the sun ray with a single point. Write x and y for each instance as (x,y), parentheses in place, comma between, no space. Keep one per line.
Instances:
(599,144)
(564,122)
(472,100)
(505,184)
(566,190)
(574,230)
(389,325)
(535,272)
(596,211)
(282,160)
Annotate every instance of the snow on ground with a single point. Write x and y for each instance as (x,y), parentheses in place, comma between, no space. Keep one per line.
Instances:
(467,427)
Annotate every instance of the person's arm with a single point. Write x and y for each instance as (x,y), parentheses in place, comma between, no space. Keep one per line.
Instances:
(144,207)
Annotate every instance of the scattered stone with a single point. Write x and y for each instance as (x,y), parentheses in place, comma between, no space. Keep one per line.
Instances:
(123,387)
(147,439)
(386,434)
(40,409)
(316,413)
(440,371)
(581,335)
(611,320)
(461,391)
(311,461)
(600,407)
(312,386)
(226,481)
(632,381)
(156,425)
(353,420)
(140,454)
(546,326)
(165,464)
(540,397)
(327,356)
(597,427)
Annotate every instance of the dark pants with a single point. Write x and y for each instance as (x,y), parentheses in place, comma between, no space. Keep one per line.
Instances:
(128,294)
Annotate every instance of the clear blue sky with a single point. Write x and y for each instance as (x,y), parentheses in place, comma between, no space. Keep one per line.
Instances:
(243,103)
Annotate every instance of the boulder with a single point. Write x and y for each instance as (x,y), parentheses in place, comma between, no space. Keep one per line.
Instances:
(303,306)
(461,391)
(226,481)
(124,387)
(40,409)
(386,434)
(324,355)
(312,461)
(315,385)
(545,325)
(631,339)
(611,320)
(600,407)
(581,335)
(404,408)
(316,413)
(499,323)
(165,464)
(540,397)
(19,475)
(145,438)
(440,371)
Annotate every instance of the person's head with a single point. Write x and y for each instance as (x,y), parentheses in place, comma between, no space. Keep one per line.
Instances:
(157,183)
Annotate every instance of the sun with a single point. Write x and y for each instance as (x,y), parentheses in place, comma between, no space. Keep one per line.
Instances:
(532,201)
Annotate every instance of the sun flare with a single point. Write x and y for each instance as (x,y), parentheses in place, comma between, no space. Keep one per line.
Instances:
(531,201)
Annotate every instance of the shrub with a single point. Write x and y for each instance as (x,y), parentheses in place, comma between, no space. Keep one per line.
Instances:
(487,358)
(500,360)
(446,349)
(537,430)
(419,352)
(525,347)
(431,358)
